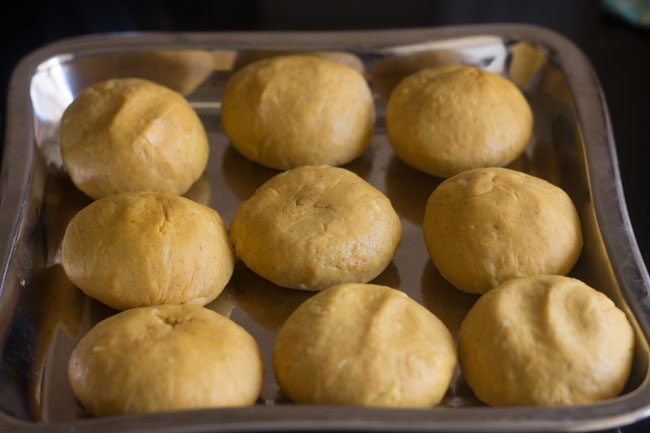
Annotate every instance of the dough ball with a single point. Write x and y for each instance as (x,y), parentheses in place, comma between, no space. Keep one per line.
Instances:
(366,345)
(485,226)
(137,249)
(453,118)
(290,111)
(313,227)
(126,135)
(545,340)
(165,358)
(245,58)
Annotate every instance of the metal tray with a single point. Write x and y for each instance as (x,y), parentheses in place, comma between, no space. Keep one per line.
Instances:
(42,315)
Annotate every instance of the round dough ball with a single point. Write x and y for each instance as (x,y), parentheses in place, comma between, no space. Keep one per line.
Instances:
(545,340)
(126,135)
(313,227)
(290,111)
(165,358)
(367,345)
(453,118)
(485,226)
(137,249)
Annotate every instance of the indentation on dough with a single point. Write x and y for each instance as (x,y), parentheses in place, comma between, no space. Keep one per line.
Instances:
(454,197)
(173,322)
(319,205)
(166,213)
(166,217)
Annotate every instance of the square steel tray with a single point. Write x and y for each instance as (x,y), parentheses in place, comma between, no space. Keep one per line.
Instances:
(42,315)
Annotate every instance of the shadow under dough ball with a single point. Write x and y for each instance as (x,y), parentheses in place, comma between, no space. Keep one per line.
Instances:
(165,358)
(315,226)
(290,111)
(126,135)
(452,118)
(138,249)
(485,226)
(267,303)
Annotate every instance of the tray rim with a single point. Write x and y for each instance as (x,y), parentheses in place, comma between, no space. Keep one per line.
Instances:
(609,204)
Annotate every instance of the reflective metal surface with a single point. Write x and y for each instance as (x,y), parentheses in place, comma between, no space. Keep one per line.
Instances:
(42,315)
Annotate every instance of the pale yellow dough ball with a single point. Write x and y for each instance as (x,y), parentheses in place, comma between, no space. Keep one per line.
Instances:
(315,226)
(485,226)
(452,118)
(129,134)
(366,345)
(165,358)
(138,249)
(545,340)
(290,111)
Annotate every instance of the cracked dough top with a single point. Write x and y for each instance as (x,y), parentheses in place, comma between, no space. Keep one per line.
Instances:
(290,111)
(485,226)
(164,358)
(137,249)
(314,227)
(130,134)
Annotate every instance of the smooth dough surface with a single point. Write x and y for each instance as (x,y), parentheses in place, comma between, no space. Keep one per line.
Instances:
(367,345)
(290,111)
(137,249)
(315,226)
(129,134)
(452,118)
(245,58)
(545,340)
(485,226)
(165,358)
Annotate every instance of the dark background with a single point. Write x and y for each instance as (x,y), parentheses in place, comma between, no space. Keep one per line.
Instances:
(619,51)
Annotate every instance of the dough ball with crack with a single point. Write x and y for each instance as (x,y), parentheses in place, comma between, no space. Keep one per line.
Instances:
(165,358)
(485,226)
(137,249)
(453,118)
(290,111)
(366,345)
(545,340)
(316,226)
(129,134)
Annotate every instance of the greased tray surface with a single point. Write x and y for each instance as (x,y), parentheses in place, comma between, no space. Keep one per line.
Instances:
(42,315)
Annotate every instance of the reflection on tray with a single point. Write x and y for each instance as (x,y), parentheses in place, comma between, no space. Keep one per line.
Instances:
(266,303)
(243,176)
(409,189)
(444,300)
